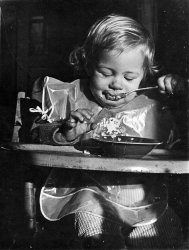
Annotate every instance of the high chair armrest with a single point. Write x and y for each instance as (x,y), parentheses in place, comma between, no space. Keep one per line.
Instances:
(17,122)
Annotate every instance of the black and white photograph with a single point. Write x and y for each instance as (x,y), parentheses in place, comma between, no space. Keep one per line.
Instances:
(94,127)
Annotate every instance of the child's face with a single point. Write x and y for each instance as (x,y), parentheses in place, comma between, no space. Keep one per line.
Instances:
(115,74)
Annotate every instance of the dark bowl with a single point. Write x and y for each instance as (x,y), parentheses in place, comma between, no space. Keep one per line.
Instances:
(125,146)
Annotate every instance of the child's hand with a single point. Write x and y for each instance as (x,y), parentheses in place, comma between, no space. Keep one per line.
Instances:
(171,84)
(79,122)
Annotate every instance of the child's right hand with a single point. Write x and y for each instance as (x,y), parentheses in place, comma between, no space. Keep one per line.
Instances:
(172,84)
(78,123)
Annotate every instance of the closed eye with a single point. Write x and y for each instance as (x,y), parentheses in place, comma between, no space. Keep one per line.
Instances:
(128,78)
(105,74)
(131,76)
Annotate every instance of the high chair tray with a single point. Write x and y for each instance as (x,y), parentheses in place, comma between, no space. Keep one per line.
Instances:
(157,161)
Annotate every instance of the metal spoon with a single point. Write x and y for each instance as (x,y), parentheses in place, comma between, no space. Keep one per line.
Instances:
(136,90)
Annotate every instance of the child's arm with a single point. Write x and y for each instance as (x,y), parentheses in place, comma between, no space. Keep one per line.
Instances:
(78,123)
(172,84)
(177,88)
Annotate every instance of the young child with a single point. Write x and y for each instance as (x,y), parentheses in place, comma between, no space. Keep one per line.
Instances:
(111,210)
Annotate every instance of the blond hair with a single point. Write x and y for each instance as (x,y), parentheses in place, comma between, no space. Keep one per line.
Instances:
(114,33)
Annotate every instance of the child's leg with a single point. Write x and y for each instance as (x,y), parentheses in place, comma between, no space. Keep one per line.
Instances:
(97,232)
(166,232)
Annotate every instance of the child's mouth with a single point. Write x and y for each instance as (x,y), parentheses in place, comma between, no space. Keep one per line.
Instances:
(112,97)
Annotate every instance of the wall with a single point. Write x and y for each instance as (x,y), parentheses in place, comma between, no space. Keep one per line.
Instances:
(173,36)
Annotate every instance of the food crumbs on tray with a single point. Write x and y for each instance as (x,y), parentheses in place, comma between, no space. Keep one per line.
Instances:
(86,152)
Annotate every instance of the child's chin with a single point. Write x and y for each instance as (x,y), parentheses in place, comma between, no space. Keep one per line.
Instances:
(110,103)
(114,104)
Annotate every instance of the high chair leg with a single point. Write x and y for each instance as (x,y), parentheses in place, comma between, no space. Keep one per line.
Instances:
(30,205)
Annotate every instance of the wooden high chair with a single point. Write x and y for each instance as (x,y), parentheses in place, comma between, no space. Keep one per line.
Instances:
(158,162)
(34,224)
(29,190)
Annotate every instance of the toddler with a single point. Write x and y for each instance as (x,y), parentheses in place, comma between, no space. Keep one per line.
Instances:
(111,210)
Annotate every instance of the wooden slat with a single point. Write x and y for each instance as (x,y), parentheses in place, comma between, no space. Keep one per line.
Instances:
(159,161)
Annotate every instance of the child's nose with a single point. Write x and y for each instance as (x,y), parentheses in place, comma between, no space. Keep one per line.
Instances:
(116,83)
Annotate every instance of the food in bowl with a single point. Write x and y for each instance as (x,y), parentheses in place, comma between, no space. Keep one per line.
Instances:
(126,146)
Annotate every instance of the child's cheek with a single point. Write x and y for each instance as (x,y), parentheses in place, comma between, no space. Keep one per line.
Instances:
(99,83)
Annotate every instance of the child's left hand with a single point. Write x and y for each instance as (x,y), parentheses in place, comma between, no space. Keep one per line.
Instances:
(172,84)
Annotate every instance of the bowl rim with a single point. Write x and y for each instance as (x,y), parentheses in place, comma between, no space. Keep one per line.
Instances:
(154,142)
